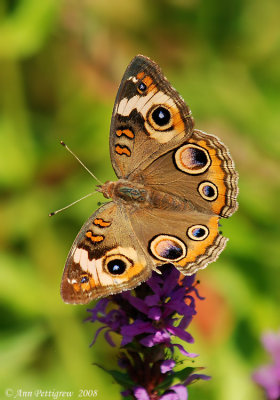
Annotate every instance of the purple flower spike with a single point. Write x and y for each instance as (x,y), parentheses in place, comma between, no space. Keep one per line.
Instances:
(149,319)
(268,376)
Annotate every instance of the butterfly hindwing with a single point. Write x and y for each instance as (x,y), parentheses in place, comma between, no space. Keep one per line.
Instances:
(190,241)
(200,171)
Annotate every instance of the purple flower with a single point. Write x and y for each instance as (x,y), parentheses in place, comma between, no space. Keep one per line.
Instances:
(149,319)
(268,376)
(176,392)
(112,321)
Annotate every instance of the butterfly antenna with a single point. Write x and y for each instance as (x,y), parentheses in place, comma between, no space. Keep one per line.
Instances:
(77,158)
(69,205)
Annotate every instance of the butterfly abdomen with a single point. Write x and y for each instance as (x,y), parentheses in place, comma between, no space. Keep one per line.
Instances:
(166,201)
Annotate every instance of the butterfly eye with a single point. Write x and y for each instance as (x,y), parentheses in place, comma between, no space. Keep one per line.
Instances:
(160,118)
(198,232)
(117,264)
(141,87)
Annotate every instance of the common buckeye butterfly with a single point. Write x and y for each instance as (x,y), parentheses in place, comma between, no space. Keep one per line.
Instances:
(175,183)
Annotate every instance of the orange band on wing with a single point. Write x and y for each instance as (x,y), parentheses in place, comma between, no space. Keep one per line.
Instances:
(178,123)
(197,248)
(215,174)
(149,83)
(125,132)
(101,223)
(123,150)
(84,287)
(140,75)
(94,238)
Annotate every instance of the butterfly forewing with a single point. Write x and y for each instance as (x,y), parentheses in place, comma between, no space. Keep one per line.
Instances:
(149,118)
(99,262)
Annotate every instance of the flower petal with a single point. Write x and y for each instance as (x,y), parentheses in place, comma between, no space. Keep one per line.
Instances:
(140,393)
(155,313)
(268,377)
(158,337)
(137,303)
(152,300)
(171,282)
(167,365)
(182,334)
(109,339)
(185,352)
(96,335)
(196,377)
(181,391)
(137,327)
(98,311)
(169,396)
(271,342)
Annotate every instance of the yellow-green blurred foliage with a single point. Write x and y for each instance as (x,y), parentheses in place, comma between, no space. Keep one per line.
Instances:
(60,66)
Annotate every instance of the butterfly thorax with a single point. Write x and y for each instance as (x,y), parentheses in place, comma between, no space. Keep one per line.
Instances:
(137,194)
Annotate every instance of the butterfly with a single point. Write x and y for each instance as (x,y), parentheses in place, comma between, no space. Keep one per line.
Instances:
(174,184)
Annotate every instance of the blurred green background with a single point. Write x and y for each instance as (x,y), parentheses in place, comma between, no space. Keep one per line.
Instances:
(60,66)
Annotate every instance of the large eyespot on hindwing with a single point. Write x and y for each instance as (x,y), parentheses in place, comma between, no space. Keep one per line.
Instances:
(160,118)
(192,159)
(117,264)
(167,248)
(198,232)
(208,190)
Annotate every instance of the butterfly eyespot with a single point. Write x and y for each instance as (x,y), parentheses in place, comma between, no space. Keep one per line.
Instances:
(141,87)
(116,267)
(168,248)
(160,118)
(84,279)
(117,264)
(198,232)
(192,159)
(208,191)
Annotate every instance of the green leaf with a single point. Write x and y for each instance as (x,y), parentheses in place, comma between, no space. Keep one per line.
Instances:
(121,378)
(166,383)
(184,373)
(180,375)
